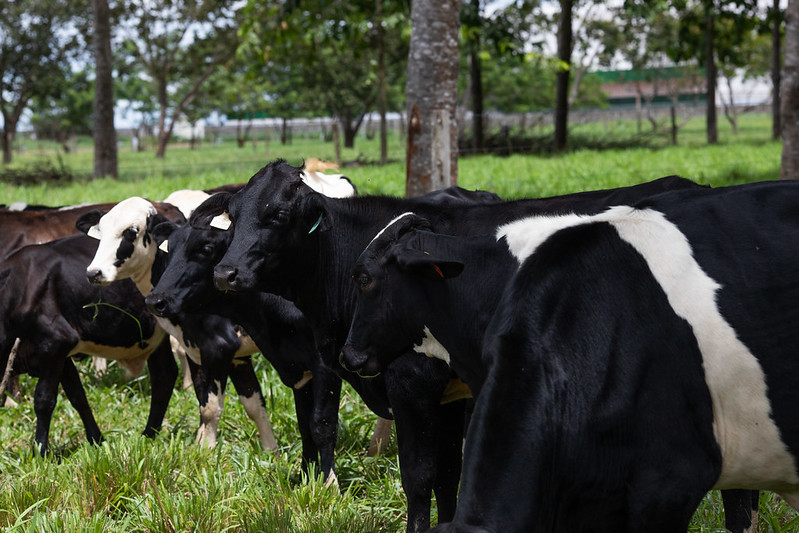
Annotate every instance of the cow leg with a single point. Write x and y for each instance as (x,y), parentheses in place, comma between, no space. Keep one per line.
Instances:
(45,397)
(324,425)
(209,417)
(70,381)
(242,374)
(452,417)
(163,373)
(304,406)
(740,509)
(415,385)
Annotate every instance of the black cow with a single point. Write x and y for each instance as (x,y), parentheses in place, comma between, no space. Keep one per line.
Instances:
(277,327)
(46,302)
(297,243)
(638,358)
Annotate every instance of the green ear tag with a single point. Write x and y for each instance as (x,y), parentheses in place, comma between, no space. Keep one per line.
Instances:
(319,221)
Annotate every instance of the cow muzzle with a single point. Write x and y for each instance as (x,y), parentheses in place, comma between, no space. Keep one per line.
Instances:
(96,277)
(159,304)
(230,278)
(356,361)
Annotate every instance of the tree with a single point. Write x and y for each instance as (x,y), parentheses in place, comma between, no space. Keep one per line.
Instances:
(431,94)
(178,45)
(564,70)
(105,134)
(789,100)
(67,111)
(37,41)
(775,16)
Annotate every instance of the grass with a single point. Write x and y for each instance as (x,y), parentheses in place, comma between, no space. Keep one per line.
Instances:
(169,483)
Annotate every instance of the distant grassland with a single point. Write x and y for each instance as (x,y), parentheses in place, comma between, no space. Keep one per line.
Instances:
(171,484)
(749,156)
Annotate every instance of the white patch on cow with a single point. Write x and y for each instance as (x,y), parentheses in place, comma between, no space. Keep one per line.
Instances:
(221,221)
(187,200)
(753,454)
(192,351)
(131,213)
(431,347)
(257,412)
(210,414)
(393,221)
(331,185)
(17,206)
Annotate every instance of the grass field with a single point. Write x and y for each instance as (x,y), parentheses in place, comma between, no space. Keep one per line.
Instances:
(170,484)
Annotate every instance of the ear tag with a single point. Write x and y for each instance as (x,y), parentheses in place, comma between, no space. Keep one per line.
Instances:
(94,232)
(318,221)
(164,247)
(221,222)
(438,270)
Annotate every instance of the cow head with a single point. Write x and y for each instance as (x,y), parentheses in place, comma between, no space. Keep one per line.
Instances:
(126,248)
(394,276)
(275,220)
(194,249)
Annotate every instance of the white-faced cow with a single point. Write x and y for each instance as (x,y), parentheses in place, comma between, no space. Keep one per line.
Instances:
(638,358)
(46,302)
(289,240)
(216,348)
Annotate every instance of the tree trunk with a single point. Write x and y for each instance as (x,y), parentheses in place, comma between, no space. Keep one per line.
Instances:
(7,138)
(381,80)
(105,135)
(431,91)
(775,70)
(349,131)
(562,94)
(476,85)
(789,89)
(710,69)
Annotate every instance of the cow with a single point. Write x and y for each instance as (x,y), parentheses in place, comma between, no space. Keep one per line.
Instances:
(436,294)
(637,358)
(46,302)
(294,242)
(280,331)
(215,346)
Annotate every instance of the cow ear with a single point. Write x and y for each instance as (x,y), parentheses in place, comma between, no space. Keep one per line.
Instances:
(314,214)
(162,231)
(428,265)
(87,223)
(213,207)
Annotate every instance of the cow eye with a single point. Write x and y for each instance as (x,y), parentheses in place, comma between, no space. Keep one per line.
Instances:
(363,280)
(281,217)
(207,249)
(130,234)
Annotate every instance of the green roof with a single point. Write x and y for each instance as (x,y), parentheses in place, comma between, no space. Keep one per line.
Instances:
(647,74)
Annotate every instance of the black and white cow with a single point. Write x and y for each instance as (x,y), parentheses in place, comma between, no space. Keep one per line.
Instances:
(278,328)
(638,358)
(216,347)
(436,294)
(46,302)
(294,242)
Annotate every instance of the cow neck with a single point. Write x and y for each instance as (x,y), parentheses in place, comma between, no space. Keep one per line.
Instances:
(143,276)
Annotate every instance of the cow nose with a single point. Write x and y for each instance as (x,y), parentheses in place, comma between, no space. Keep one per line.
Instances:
(94,275)
(157,304)
(226,277)
(351,359)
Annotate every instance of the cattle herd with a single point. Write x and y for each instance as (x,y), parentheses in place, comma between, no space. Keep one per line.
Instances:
(589,362)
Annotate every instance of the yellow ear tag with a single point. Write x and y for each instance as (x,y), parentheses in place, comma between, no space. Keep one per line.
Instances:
(221,222)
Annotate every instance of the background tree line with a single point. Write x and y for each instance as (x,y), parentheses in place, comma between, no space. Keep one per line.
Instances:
(71,62)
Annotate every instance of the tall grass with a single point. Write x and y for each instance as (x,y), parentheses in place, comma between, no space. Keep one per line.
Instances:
(171,484)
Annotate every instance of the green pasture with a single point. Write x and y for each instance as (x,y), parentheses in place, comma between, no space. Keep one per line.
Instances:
(171,484)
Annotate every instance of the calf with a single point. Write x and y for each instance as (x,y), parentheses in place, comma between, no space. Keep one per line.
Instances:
(278,328)
(436,294)
(645,353)
(289,240)
(46,302)
(215,346)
